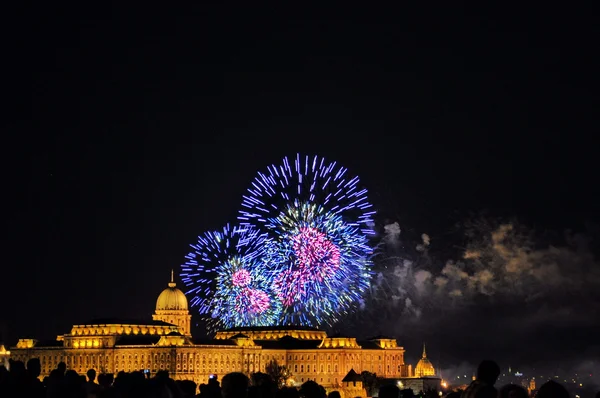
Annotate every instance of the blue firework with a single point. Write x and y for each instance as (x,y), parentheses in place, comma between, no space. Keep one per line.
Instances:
(319,220)
(319,265)
(306,179)
(226,279)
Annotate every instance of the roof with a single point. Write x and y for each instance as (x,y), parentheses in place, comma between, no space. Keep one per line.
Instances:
(381,337)
(340,335)
(240,336)
(48,343)
(121,321)
(288,343)
(351,376)
(171,299)
(268,328)
(369,345)
(138,339)
(213,342)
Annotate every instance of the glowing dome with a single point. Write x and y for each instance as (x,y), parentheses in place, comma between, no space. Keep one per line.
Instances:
(171,299)
(424,366)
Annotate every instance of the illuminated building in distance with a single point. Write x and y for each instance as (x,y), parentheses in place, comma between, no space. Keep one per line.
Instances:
(165,343)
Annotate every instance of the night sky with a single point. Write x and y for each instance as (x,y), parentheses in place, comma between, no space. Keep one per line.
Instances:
(130,131)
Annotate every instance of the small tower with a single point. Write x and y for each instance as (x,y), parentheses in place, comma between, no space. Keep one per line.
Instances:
(353,386)
(172,307)
(531,385)
(4,356)
(424,366)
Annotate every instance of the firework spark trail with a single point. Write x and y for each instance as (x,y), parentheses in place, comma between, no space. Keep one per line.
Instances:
(303,258)
(321,264)
(226,280)
(310,180)
(320,220)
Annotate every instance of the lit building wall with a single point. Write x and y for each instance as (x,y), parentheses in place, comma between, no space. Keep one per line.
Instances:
(111,346)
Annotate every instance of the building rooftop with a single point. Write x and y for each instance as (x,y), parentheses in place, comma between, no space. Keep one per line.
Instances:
(49,343)
(351,376)
(123,321)
(269,328)
(369,345)
(289,343)
(212,342)
(138,339)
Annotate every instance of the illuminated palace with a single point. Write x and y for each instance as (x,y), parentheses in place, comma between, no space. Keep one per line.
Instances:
(165,343)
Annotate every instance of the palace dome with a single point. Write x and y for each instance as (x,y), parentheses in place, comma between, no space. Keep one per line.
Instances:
(172,299)
(424,366)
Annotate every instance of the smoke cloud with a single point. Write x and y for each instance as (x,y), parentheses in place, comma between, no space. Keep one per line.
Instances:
(494,289)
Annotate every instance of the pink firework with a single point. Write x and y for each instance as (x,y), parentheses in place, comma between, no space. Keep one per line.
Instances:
(254,301)
(317,257)
(290,286)
(241,278)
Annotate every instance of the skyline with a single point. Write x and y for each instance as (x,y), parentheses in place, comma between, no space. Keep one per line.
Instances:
(138,129)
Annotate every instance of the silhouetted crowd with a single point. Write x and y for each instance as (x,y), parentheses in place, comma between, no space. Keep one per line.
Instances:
(24,382)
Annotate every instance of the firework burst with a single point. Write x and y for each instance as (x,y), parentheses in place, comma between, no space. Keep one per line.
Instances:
(227,281)
(319,264)
(306,180)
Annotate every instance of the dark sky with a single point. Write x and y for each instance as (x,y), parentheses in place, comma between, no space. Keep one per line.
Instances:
(129,131)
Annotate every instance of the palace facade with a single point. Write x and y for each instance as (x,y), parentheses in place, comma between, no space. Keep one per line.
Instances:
(165,343)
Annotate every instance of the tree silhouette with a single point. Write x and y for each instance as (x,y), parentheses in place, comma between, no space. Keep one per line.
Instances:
(370,382)
(279,373)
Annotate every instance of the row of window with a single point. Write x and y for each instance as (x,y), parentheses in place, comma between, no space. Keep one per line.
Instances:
(350,357)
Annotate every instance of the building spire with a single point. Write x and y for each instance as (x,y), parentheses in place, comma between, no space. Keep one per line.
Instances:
(172,283)
(424,352)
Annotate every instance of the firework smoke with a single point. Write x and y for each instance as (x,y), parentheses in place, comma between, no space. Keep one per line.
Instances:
(494,288)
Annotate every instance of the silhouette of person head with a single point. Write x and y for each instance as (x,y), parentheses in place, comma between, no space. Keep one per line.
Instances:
(34,367)
(488,372)
(407,393)
(91,374)
(234,385)
(203,389)
(17,369)
(288,392)
(311,389)
(62,367)
(552,389)
(162,375)
(107,380)
(334,394)
(389,391)
(513,391)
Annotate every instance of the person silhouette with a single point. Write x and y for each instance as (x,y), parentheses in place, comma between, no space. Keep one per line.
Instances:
(234,385)
(35,388)
(389,391)
(483,386)
(552,389)
(513,391)
(91,387)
